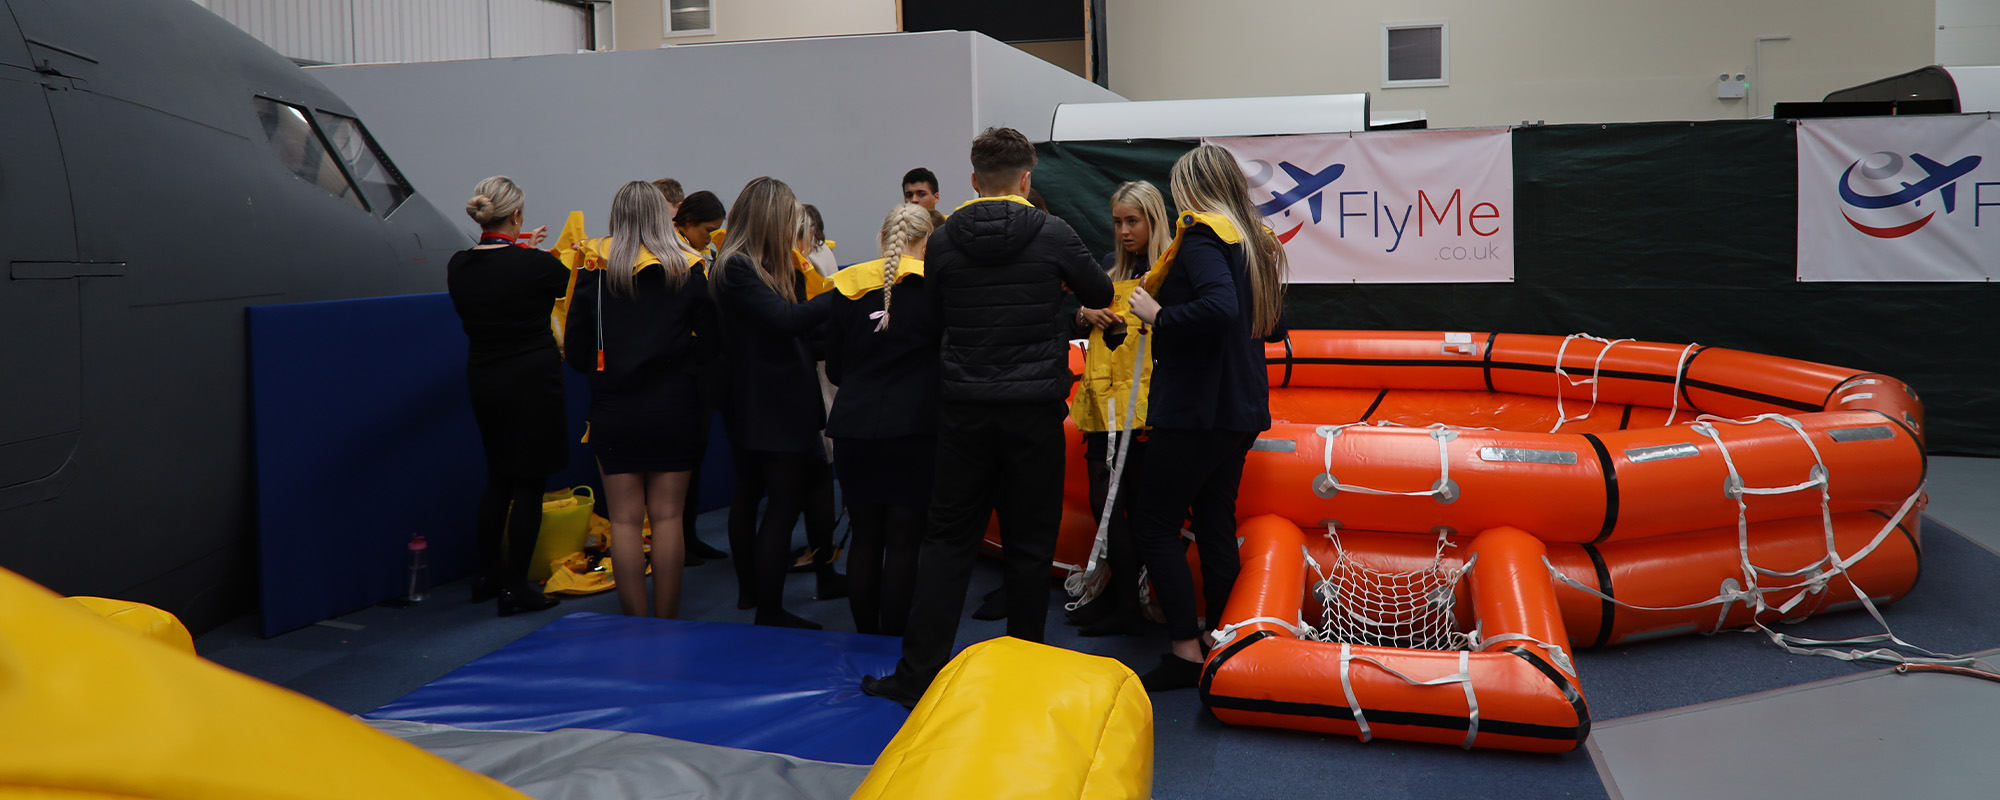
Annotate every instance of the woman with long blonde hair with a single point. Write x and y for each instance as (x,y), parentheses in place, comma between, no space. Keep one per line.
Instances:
(773,411)
(882,350)
(637,329)
(1219,300)
(1141,231)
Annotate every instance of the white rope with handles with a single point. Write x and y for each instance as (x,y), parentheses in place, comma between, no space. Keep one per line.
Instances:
(1087,583)
(1596,369)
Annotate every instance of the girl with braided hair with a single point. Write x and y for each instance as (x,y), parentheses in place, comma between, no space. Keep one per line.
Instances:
(882,351)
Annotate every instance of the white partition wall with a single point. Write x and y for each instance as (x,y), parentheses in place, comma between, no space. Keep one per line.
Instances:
(840,119)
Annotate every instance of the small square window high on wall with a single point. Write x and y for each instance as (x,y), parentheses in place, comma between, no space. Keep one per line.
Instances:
(689,17)
(1416,54)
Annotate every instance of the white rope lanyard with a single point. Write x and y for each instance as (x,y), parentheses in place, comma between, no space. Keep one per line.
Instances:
(1444,490)
(1086,583)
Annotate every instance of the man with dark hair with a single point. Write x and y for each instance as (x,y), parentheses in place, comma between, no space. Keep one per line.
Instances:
(920,186)
(995,273)
(672,189)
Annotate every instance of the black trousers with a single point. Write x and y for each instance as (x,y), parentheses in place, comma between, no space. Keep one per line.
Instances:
(1190,475)
(1122,552)
(990,458)
(509,521)
(762,548)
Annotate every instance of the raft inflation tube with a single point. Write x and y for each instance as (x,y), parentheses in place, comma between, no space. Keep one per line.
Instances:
(1477,505)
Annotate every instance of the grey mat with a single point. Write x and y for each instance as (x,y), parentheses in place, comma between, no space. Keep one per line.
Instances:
(579,764)
(1875,735)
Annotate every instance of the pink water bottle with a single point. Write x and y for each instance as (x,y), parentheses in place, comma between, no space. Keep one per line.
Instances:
(420,578)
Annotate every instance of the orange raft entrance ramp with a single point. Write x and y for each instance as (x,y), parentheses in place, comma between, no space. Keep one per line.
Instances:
(1567,492)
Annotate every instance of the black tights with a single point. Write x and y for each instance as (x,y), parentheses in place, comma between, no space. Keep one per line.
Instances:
(788,482)
(510,518)
(882,566)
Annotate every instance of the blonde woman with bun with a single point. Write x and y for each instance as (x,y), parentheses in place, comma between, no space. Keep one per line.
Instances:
(638,329)
(503,292)
(1219,299)
(882,350)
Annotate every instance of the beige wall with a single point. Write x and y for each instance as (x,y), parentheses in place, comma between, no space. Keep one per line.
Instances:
(640,24)
(1065,53)
(1553,60)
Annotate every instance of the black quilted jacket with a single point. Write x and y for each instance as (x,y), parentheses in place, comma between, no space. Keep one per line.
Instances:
(996,271)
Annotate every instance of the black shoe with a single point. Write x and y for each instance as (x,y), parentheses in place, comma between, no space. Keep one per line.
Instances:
(699,551)
(993,607)
(484,589)
(1173,672)
(829,585)
(524,600)
(780,618)
(745,602)
(1120,623)
(889,687)
(689,559)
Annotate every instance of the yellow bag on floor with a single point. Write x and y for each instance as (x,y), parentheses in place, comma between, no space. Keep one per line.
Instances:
(565,520)
(573,574)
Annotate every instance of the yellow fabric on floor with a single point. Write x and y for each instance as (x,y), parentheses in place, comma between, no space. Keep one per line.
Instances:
(1013,719)
(95,711)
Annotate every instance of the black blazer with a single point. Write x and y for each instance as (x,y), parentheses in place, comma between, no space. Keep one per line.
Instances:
(657,330)
(888,379)
(773,403)
(1208,372)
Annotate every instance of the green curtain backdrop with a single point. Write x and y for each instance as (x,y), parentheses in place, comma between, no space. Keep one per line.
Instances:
(1671,232)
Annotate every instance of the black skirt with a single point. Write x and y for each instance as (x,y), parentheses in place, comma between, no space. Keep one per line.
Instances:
(657,427)
(896,472)
(517,400)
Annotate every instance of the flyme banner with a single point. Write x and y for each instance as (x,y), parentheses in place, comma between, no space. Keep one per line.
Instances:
(1899,199)
(1388,206)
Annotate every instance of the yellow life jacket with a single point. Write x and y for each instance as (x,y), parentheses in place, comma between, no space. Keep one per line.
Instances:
(1108,373)
(1188,219)
(1005,198)
(857,281)
(816,284)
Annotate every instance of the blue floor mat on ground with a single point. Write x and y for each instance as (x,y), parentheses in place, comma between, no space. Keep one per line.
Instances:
(777,690)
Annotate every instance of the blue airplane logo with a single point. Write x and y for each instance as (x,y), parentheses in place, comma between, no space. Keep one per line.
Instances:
(1308,188)
(1937,178)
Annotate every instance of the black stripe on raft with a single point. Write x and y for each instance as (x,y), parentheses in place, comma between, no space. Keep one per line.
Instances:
(1288,362)
(1608,614)
(1487,361)
(1625,421)
(1610,487)
(1488,367)
(1915,441)
(1686,367)
(1375,405)
(1916,545)
(1215,662)
(1415,719)
(1582,729)
(1843,384)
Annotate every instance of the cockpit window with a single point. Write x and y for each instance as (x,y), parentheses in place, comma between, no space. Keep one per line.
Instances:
(380,182)
(302,149)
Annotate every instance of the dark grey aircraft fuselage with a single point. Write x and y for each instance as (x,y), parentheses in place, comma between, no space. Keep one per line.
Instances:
(151,163)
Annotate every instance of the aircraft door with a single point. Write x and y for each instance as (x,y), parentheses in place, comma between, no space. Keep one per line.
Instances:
(40,318)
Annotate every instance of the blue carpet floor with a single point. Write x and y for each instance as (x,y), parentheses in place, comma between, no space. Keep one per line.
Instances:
(1950,610)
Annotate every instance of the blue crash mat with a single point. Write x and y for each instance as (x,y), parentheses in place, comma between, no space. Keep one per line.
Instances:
(777,690)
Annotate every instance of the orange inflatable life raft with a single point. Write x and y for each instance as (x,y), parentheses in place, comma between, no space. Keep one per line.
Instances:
(1574,491)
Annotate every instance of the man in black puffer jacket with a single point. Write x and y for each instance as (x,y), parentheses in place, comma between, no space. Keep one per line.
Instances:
(996,272)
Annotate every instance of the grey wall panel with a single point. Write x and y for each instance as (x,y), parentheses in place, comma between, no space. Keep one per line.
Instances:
(1020,91)
(839,119)
(537,27)
(389,31)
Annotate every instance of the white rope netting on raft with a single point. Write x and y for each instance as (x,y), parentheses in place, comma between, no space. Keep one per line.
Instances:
(1412,610)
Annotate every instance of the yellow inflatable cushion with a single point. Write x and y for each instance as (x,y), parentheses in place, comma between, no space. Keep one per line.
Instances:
(97,712)
(142,619)
(1013,719)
